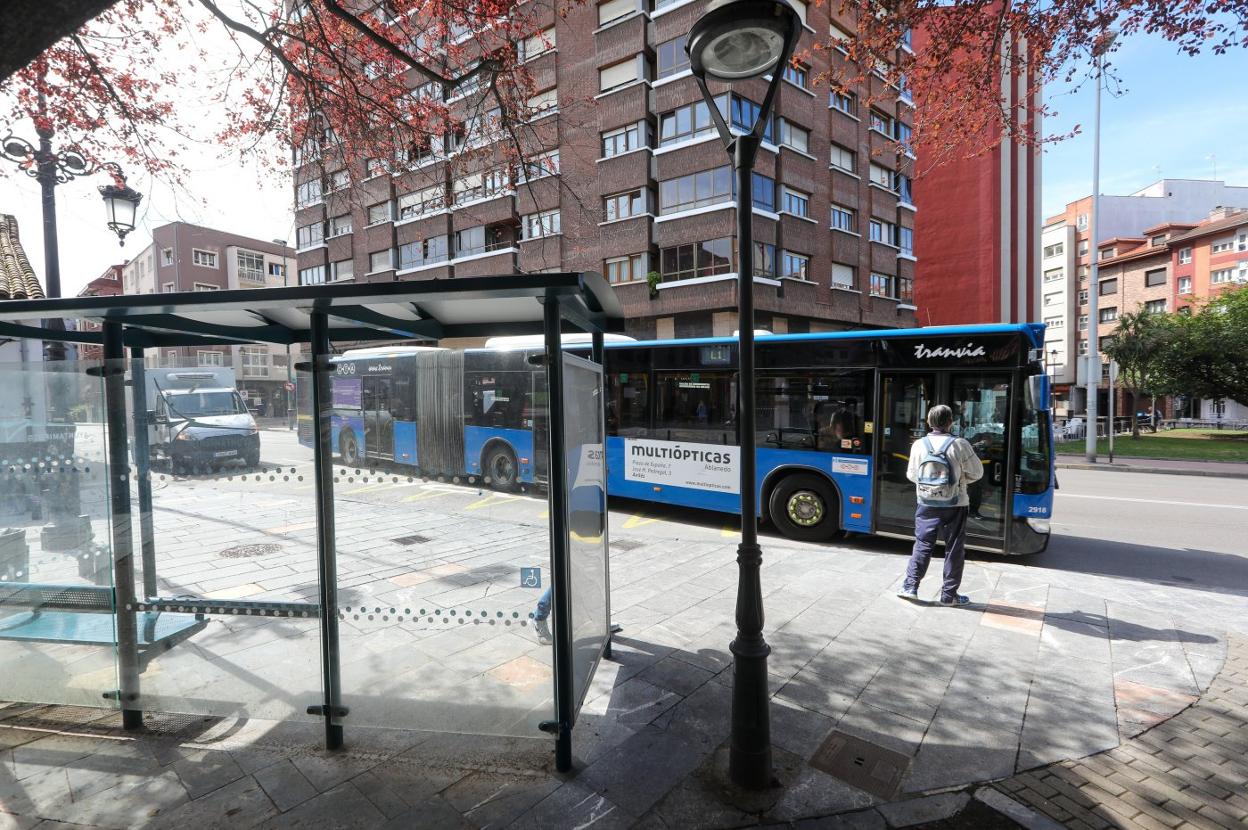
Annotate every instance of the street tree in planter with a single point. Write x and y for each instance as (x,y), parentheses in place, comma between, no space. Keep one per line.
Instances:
(1207,355)
(1138,346)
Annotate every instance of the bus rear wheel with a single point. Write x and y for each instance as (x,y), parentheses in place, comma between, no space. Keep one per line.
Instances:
(500,466)
(803,507)
(349,448)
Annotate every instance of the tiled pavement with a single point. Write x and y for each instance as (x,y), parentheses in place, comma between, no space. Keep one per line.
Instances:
(1189,772)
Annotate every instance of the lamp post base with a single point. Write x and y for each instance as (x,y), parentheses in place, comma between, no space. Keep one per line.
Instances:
(749,759)
(67,533)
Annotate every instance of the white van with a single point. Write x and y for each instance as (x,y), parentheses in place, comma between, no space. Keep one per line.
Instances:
(196,419)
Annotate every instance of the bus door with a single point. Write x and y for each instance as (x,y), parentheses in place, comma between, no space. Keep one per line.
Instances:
(981,414)
(378,422)
(905,398)
(536,415)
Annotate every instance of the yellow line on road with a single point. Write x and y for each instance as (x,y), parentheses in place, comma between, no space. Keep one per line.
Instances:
(429,494)
(730,532)
(637,520)
(380,486)
(491,500)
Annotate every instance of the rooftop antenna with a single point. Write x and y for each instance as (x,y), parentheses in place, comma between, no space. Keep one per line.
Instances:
(1212,158)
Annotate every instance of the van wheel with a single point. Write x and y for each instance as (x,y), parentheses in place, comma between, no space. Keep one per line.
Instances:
(500,466)
(348,448)
(804,507)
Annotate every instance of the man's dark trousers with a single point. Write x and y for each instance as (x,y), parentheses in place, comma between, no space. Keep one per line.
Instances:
(928,522)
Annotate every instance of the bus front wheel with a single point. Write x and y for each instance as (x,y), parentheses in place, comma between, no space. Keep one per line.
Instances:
(500,466)
(803,507)
(349,448)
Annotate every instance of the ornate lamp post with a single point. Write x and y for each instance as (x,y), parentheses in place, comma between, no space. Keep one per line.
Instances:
(739,40)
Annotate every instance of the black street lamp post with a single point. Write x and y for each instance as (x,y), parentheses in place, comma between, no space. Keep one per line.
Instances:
(739,40)
(68,530)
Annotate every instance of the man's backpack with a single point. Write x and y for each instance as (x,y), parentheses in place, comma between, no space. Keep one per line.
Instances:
(937,484)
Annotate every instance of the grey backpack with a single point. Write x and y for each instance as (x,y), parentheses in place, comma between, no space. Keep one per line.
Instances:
(937,484)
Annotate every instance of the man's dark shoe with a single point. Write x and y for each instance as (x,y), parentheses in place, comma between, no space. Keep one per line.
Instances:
(957,599)
(909,593)
(543,632)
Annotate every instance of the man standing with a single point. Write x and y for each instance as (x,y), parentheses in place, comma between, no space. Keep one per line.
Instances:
(941,466)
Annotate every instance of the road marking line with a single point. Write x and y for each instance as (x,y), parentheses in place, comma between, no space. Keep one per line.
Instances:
(637,520)
(1154,501)
(382,485)
(429,494)
(730,532)
(491,500)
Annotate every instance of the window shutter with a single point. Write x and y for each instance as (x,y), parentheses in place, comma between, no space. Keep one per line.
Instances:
(617,75)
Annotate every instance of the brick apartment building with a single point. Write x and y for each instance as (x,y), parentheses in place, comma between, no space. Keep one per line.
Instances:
(1158,213)
(644,186)
(107,284)
(186,257)
(978,228)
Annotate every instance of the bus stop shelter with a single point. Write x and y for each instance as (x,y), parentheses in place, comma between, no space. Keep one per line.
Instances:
(134,626)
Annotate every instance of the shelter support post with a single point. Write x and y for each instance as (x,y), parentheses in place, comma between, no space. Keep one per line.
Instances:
(143,468)
(326,551)
(123,545)
(599,354)
(561,572)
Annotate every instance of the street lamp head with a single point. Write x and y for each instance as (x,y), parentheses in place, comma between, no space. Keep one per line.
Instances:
(738,39)
(121,204)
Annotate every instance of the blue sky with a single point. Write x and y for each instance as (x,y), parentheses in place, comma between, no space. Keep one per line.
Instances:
(1169,111)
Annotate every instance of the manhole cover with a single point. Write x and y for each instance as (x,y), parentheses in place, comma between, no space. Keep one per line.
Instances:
(414,539)
(862,764)
(248,551)
(626,544)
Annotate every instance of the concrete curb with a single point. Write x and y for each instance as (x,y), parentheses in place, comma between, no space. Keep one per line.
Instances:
(1172,471)
(1015,810)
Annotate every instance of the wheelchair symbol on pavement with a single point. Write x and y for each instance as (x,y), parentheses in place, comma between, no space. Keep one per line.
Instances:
(530,577)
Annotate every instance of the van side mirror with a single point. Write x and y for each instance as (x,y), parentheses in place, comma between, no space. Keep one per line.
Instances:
(154,418)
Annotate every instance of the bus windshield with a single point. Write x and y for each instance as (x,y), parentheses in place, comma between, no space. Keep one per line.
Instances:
(1033,461)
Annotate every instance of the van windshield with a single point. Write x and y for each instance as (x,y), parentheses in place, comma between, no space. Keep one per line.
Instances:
(203,404)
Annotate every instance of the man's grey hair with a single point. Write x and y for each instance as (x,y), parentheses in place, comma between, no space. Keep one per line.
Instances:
(940,417)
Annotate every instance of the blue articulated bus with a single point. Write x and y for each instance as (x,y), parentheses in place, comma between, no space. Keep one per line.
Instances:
(837,414)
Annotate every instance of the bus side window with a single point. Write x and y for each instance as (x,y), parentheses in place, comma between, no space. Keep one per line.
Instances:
(695,406)
(841,409)
(628,397)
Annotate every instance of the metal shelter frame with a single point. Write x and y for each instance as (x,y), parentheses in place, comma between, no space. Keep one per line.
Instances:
(530,304)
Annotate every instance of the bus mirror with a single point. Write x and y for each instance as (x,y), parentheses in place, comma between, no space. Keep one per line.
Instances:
(1038,391)
(771,438)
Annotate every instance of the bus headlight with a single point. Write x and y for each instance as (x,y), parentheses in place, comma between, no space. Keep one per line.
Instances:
(1039,525)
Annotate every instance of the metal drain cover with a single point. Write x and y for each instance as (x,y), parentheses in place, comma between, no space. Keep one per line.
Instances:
(249,551)
(414,539)
(865,765)
(626,544)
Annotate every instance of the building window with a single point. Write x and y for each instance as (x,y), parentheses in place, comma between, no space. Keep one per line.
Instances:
(1107,315)
(795,202)
(697,259)
(764,193)
(844,219)
(881,176)
(1052,300)
(625,268)
(764,260)
(1155,278)
(685,123)
(250,266)
(255,359)
(1155,307)
(308,193)
(545,164)
(906,240)
(312,276)
(672,57)
(1185,256)
(205,358)
(1083,296)
(885,232)
(340,225)
(1083,347)
(707,187)
(839,36)
(413,205)
(1053,250)
(339,180)
(206,259)
(168,288)
(166,256)
(905,290)
(881,285)
(538,225)
(902,133)
(903,186)
(1222,275)
(379,213)
(614,10)
(791,135)
(343,269)
(797,74)
(478,186)
(1185,285)
(843,159)
(842,276)
(1105,342)
(619,74)
(1083,322)
(1083,247)
(307,236)
(1221,246)
(1053,274)
(622,140)
(537,44)
(796,266)
(1081,222)
(424,252)
(1157,241)
(1108,287)
(277,269)
(1054,322)
(480,240)
(624,205)
(881,123)
(380,261)
(846,102)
